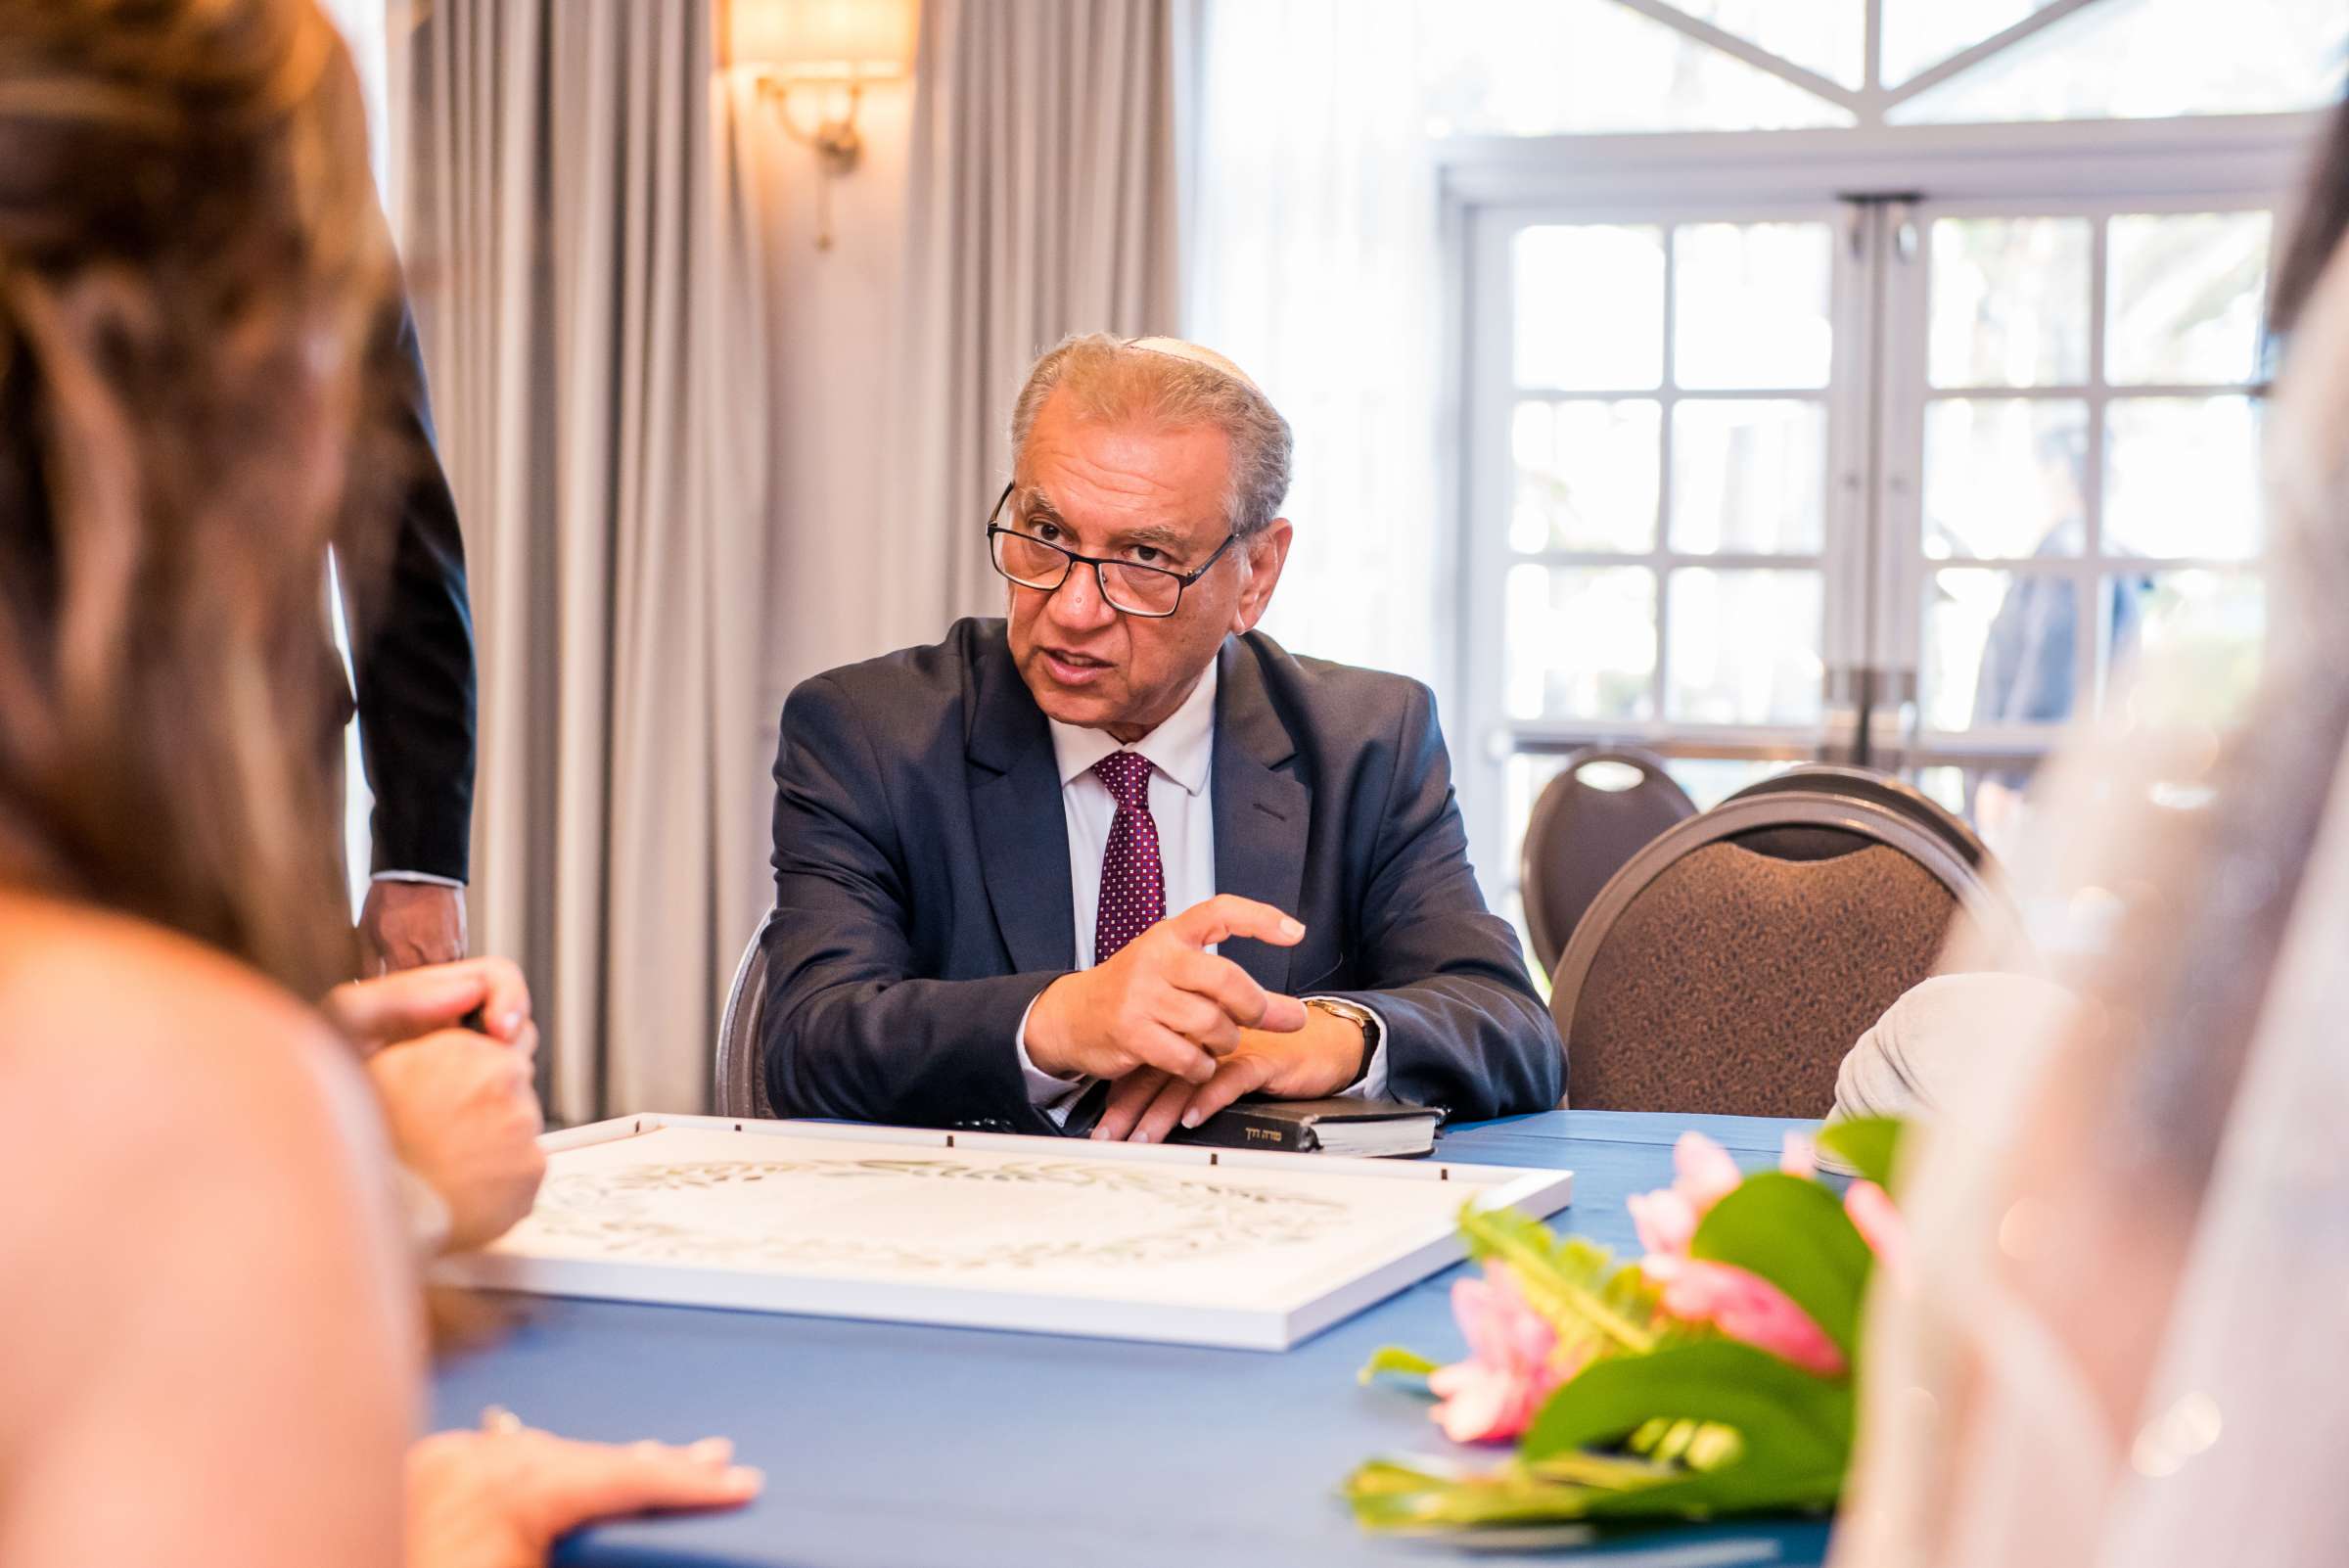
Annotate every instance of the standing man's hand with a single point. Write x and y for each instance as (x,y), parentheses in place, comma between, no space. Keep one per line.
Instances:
(1163,1001)
(405,924)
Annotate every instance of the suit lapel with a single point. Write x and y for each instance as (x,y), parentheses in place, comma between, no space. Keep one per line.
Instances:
(1016,809)
(1261,808)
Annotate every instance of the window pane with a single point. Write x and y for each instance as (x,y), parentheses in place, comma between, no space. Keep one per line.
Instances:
(2006,477)
(2181,478)
(1581,642)
(2149,59)
(2001,648)
(1711,780)
(1542,68)
(1925,32)
(1994,800)
(1590,307)
(2202,632)
(1586,476)
(1829,36)
(2186,294)
(1751,303)
(1945,786)
(1748,475)
(2009,301)
(1744,647)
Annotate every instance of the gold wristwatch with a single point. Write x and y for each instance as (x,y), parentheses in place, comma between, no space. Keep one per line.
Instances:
(1361,1018)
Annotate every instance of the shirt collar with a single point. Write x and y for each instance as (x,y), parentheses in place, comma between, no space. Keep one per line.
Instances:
(1181,747)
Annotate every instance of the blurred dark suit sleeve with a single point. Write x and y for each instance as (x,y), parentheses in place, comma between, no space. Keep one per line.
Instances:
(412,645)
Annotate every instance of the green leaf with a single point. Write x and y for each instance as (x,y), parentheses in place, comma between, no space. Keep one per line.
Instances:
(1794,1430)
(1598,1307)
(1869,1144)
(1794,1234)
(1396,1360)
(1386,1495)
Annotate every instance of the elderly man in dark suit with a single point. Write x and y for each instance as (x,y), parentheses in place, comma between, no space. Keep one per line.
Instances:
(1120,859)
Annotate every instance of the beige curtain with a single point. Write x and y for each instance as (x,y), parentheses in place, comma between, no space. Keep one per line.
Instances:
(584,273)
(1042,200)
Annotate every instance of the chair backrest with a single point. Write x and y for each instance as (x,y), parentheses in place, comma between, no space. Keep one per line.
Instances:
(1602,808)
(741,1085)
(1731,966)
(1861,783)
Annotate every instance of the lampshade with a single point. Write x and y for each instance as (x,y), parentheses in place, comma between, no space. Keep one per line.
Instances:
(823,40)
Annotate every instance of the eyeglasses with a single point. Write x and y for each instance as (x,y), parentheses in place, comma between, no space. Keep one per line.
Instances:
(1130,587)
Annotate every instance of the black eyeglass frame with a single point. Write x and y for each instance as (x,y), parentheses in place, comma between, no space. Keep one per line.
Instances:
(1099,564)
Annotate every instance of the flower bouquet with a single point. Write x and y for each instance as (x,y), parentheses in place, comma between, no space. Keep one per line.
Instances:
(1714,1375)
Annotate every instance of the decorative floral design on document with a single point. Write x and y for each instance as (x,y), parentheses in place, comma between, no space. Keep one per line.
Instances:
(741,1214)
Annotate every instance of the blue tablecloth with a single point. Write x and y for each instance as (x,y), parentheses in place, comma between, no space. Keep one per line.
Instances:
(895,1446)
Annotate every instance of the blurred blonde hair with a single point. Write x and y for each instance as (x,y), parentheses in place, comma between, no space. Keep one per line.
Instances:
(191,259)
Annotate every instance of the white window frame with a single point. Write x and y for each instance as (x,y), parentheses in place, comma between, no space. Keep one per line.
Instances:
(1903,738)
(1870,102)
(1492,186)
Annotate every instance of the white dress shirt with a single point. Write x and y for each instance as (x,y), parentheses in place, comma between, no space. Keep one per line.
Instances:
(1180,752)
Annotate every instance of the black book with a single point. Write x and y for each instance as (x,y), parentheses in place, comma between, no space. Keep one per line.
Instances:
(1370,1127)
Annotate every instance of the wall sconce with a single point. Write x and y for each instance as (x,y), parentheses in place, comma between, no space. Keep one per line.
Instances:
(825,45)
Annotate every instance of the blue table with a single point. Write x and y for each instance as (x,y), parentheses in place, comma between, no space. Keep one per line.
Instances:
(893,1447)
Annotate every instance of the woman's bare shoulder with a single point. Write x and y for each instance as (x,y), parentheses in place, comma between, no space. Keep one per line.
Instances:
(206,1268)
(100,1015)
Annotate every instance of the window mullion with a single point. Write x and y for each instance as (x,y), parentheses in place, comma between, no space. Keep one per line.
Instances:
(1745,49)
(1967,58)
(1668,401)
(2089,615)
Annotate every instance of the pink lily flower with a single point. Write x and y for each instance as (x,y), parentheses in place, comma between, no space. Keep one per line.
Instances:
(1512,1366)
(1746,1307)
(1880,1225)
(1703,1174)
(1739,1303)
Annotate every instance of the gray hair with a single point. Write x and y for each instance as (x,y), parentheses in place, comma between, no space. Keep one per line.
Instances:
(1172,385)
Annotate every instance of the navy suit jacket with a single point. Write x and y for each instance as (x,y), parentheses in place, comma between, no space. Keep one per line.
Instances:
(922,893)
(412,640)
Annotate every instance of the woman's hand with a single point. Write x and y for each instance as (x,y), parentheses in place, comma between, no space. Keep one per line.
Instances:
(501,1497)
(464,1117)
(450,1048)
(415,1003)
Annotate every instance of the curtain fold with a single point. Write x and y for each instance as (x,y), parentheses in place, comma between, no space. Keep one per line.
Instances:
(1041,202)
(587,297)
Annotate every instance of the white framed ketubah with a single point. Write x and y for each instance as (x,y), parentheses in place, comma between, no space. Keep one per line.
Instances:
(1192,1246)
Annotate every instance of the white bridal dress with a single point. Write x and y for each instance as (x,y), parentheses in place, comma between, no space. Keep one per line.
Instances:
(2123,1337)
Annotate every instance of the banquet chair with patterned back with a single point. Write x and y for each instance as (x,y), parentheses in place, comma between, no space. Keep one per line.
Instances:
(1862,783)
(741,1085)
(1603,806)
(1729,966)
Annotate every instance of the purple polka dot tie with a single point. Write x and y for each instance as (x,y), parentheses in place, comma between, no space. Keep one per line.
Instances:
(1133,882)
